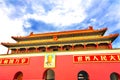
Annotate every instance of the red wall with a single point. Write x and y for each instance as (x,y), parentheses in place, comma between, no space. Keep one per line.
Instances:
(65,69)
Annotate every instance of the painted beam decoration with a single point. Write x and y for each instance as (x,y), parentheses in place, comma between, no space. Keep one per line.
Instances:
(49,60)
(13,61)
(96,58)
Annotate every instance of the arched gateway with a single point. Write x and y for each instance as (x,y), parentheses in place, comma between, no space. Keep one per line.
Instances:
(83,75)
(49,75)
(114,76)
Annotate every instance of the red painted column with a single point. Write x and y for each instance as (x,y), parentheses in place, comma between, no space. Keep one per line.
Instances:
(73,47)
(96,45)
(17,51)
(84,46)
(8,51)
(61,48)
(36,49)
(46,49)
(26,50)
(110,45)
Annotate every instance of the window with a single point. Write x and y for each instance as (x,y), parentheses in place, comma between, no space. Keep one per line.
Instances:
(83,75)
(67,49)
(114,76)
(18,76)
(43,50)
(55,49)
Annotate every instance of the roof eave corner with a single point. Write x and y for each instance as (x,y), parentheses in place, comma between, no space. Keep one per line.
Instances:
(104,30)
(13,37)
(4,44)
(115,36)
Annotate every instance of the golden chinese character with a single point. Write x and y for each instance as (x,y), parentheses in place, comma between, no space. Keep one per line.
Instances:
(95,58)
(103,58)
(11,61)
(6,61)
(23,60)
(87,58)
(112,58)
(17,61)
(118,57)
(0,61)
(80,58)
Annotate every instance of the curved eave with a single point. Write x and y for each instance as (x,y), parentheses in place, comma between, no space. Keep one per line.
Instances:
(69,32)
(8,44)
(114,36)
(103,30)
(102,38)
(16,38)
(35,36)
(111,37)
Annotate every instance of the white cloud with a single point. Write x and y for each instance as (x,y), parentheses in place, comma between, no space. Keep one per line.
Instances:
(63,13)
(26,24)
(113,15)
(8,27)
(93,20)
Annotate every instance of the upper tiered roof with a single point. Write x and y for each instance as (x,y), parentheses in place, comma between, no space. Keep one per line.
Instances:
(33,36)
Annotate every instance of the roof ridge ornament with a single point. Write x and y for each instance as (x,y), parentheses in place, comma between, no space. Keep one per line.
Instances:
(31,34)
(91,27)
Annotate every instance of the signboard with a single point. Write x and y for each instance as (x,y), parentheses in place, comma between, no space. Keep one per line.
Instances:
(13,61)
(49,60)
(96,58)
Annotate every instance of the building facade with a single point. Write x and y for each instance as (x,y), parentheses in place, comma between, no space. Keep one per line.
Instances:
(67,55)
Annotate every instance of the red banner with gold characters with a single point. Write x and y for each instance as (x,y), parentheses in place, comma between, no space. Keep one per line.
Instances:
(13,61)
(96,58)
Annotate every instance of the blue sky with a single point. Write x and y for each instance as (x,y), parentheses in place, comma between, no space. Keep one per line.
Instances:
(20,17)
